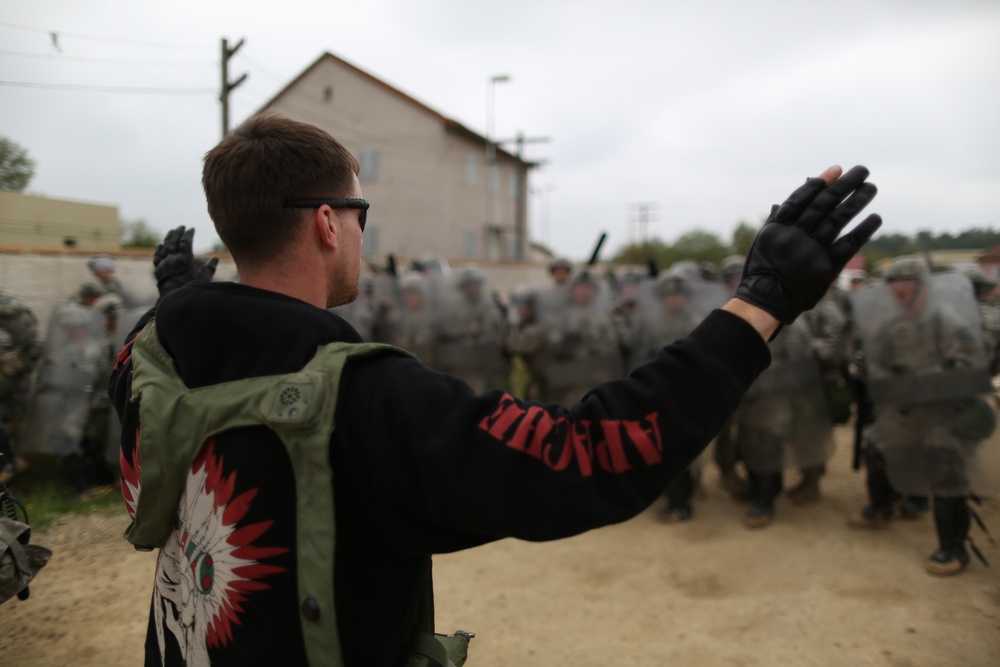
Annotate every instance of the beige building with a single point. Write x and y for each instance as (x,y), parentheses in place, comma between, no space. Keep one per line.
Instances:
(28,221)
(425,175)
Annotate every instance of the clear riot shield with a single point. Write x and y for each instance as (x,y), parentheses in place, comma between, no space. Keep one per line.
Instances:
(469,330)
(139,293)
(552,302)
(927,374)
(668,313)
(385,301)
(67,377)
(783,420)
(581,350)
(411,325)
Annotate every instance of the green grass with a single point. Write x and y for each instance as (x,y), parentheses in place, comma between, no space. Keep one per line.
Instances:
(47,498)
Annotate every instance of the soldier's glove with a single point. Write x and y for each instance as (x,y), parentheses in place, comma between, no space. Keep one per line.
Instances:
(174,264)
(795,259)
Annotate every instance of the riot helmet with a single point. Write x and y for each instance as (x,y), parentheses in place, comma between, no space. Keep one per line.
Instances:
(560,270)
(907,277)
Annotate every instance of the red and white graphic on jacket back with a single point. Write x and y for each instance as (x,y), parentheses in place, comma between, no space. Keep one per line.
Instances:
(209,567)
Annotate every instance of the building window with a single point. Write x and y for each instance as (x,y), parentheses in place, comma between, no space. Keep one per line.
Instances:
(368,165)
(369,240)
(515,185)
(328,94)
(470,242)
(470,168)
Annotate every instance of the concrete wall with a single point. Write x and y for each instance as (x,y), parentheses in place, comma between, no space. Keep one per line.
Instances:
(40,222)
(45,281)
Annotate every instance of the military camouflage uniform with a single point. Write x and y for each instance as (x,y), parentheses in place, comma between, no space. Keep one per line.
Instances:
(989,317)
(470,334)
(581,350)
(769,418)
(19,354)
(526,339)
(413,328)
(930,446)
(827,324)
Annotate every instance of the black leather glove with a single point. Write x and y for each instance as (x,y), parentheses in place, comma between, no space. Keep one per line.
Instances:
(174,264)
(796,255)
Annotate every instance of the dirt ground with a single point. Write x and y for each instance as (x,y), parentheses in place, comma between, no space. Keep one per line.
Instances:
(804,591)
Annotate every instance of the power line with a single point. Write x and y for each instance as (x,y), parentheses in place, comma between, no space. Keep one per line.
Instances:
(110,40)
(107,89)
(108,61)
(263,70)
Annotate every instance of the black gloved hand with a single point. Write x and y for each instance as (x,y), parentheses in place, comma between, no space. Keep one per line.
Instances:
(794,260)
(174,264)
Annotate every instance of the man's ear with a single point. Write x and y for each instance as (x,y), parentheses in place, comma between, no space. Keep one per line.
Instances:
(324,223)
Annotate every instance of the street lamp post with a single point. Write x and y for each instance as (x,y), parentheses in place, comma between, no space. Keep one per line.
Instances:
(491,159)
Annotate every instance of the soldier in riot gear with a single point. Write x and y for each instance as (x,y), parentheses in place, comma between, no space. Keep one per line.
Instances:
(59,420)
(470,333)
(673,315)
(19,354)
(783,421)
(527,339)
(989,316)
(412,324)
(625,316)
(828,334)
(928,377)
(580,344)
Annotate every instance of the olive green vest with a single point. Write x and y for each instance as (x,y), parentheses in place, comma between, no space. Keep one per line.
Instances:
(300,409)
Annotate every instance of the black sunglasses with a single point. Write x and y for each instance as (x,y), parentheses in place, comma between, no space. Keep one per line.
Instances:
(350,202)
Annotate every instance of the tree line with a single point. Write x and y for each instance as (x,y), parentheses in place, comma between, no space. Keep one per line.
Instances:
(703,246)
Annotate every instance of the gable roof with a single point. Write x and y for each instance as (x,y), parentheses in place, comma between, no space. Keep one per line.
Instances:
(449,123)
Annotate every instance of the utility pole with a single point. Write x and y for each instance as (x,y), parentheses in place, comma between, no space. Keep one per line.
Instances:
(491,236)
(227,85)
(521,204)
(643,209)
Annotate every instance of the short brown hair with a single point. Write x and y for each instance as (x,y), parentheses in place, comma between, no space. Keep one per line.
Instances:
(266,161)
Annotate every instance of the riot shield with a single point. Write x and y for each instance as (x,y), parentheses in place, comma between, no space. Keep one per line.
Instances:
(469,331)
(668,310)
(928,378)
(67,377)
(783,420)
(552,302)
(581,350)
(411,323)
(140,293)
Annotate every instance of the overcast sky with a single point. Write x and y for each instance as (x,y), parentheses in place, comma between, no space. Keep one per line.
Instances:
(709,110)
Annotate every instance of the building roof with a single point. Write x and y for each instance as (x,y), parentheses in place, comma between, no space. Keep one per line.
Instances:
(449,123)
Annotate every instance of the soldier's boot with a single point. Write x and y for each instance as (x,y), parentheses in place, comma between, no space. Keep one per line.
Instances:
(806,492)
(913,507)
(764,488)
(678,507)
(878,512)
(731,482)
(951,521)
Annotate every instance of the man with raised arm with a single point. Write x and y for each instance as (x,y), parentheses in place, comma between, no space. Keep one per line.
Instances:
(297,482)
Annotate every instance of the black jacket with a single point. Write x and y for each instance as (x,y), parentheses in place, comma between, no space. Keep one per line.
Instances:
(421,466)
